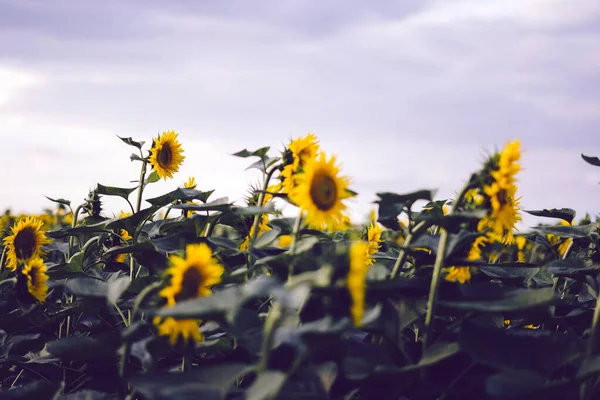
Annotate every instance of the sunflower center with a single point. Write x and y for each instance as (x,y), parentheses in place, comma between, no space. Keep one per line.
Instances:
(165,156)
(502,197)
(33,274)
(25,243)
(323,191)
(190,283)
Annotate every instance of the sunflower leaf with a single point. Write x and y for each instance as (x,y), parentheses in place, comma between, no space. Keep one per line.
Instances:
(220,204)
(260,153)
(153,177)
(132,142)
(567,214)
(575,232)
(60,201)
(35,390)
(181,194)
(115,191)
(485,297)
(80,348)
(595,161)
(253,210)
(263,163)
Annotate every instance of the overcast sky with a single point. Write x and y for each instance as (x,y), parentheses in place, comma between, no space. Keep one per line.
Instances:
(408,94)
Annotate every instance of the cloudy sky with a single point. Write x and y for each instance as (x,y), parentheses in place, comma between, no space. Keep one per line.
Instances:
(408,94)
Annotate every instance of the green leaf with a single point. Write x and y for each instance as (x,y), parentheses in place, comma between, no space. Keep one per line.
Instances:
(181,194)
(591,160)
(220,204)
(486,297)
(529,349)
(91,287)
(260,153)
(263,163)
(135,157)
(434,354)
(568,267)
(575,232)
(60,201)
(132,142)
(82,348)
(266,238)
(253,210)
(115,191)
(266,386)
(78,230)
(388,197)
(153,177)
(567,214)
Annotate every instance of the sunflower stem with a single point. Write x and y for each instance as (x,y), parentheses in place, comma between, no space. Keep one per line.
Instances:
(295,231)
(9,280)
(271,324)
(437,271)
(73,225)
(403,253)
(2,258)
(261,198)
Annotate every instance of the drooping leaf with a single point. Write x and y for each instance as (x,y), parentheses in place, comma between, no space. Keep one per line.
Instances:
(42,390)
(132,142)
(115,191)
(220,204)
(91,287)
(591,160)
(60,201)
(575,232)
(78,230)
(567,214)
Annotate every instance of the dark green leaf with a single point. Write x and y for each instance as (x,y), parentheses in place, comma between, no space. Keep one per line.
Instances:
(434,354)
(266,386)
(252,210)
(535,350)
(388,197)
(261,153)
(91,287)
(568,214)
(180,194)
(224,242)
(115,191)
(579,231)
(135,157)
(81,348)
(591,160)
(78,230)
(263,163)
(220,204)
(60,201)
(266,238)
(569,266)
(485,297)
(132,142)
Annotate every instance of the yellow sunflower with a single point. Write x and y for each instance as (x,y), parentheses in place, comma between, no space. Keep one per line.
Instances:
(374,232)
(555,240)
(285,241)
(462,274)
(190,183)
(166,155)
(25,242)
(319,192)
(302,150)
(175,328)
(356,280)
(191,277)
(262,227)
(504,214)
(522,246)
(34,271)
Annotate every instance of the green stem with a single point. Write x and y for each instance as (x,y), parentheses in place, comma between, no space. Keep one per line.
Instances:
(73,225)
(295,231)
(403,253)
(261,198)
(271,323)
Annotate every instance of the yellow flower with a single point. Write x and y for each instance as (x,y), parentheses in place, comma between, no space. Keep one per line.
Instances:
(25,242)
(531,326)
(474,196)
(356,280)
(458,274)
(175,328)
(555,240)
(190,183)
(504,213)
(285,241)
(521,242)
(191,277)
(34,272)
(303,150)
(166,155)
(373,237)
(319,192)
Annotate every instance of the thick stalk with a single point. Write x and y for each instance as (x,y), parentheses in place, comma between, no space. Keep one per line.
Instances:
(261,198)
(295,231)
(271,323)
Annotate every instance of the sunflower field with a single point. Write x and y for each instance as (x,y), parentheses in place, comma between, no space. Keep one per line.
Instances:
(186,296)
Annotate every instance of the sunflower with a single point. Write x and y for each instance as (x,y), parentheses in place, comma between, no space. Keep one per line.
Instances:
(166,154)
(262,227)
(191,277)
(190,183)
(555,240)
(462,274)
(504,213)
(301,150)
(34,271)
(25,242)
(522,246)
(285,241)
(319,192)
(374,232)
(356,280)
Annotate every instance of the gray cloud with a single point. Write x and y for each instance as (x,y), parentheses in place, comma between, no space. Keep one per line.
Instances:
(408,94)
